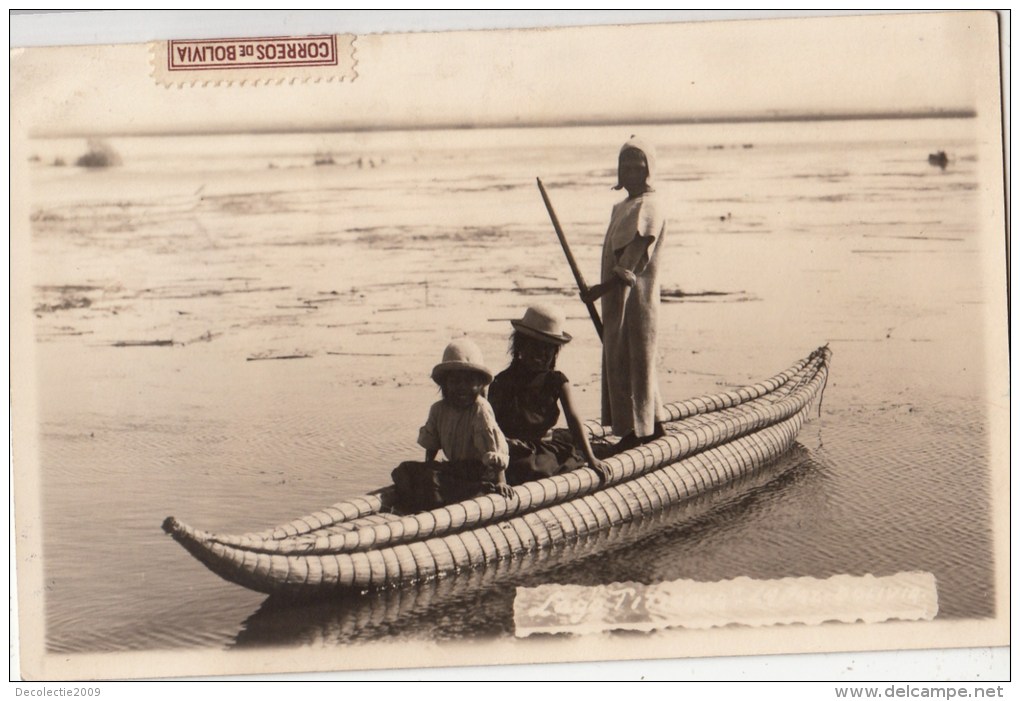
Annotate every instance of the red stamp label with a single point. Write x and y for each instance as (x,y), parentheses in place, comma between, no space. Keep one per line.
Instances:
(264,52)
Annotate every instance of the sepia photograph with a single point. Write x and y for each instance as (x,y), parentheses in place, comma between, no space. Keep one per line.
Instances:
(337,350)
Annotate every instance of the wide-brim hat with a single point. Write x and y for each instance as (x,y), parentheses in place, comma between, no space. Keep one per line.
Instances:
(544,323)
(462,355)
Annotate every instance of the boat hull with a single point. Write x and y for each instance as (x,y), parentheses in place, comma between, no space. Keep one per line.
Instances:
(366,549)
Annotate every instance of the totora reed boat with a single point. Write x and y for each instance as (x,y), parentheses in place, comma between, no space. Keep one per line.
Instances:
(359,544)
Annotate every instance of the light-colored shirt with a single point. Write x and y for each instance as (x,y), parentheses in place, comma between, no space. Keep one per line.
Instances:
(465,434)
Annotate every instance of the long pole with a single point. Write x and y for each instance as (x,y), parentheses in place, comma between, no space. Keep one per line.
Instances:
(570,259)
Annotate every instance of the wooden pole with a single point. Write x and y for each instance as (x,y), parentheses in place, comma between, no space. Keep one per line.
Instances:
(581,285)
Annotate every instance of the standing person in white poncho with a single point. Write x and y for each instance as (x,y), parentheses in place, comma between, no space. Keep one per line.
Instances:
(629,291)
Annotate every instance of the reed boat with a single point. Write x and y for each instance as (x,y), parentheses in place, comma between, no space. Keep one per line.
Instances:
(646,549)
(361,544)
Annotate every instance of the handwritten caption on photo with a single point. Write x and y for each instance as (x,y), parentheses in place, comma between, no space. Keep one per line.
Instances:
(554,608)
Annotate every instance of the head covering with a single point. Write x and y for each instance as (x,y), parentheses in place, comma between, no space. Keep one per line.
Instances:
(638,144)
(461,354)
(544,323)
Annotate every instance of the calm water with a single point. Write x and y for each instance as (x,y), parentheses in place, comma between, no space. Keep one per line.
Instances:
(239,249)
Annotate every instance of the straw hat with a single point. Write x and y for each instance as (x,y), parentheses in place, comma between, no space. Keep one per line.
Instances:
(544,323)
(462,354)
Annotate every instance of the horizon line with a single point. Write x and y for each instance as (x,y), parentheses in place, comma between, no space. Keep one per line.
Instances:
(747,118)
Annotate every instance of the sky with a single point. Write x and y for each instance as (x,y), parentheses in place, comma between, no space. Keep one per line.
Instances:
(597,74)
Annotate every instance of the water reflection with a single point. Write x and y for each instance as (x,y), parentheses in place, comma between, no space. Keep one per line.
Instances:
(479,603)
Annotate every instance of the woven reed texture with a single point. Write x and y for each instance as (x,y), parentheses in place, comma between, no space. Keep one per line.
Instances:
(698,432)
(434,557)
(714,447)
(353,509)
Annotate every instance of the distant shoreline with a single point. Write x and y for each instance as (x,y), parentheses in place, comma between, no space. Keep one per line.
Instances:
(763,118)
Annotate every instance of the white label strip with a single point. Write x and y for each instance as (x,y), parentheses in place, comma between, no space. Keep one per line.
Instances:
(684,603)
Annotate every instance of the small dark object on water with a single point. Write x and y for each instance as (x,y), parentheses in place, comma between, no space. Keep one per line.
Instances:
(127,344)
(369,355)
(939,159)
(679,294)
(99,155)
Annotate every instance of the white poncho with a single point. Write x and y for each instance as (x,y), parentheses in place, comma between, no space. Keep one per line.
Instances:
(632,250)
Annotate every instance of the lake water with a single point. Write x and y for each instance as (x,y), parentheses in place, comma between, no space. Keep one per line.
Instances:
(231,334)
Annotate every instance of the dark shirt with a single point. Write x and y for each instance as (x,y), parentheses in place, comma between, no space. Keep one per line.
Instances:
(526,404)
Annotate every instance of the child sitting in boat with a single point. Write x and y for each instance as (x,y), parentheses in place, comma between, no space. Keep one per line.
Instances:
(463,426)
(527,396)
